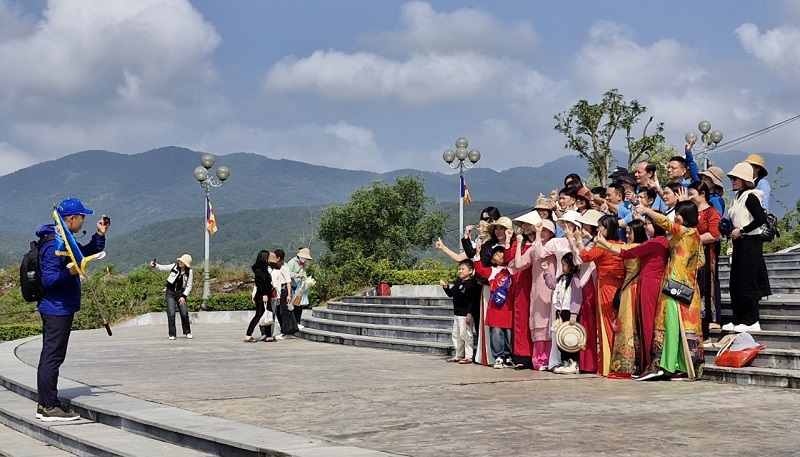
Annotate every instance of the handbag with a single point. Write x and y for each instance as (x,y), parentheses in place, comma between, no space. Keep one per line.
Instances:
(679,291)
(769,230)
(737,359)
(267,318)
(618,293)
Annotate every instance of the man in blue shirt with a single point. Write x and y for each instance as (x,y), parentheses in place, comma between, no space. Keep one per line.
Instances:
(645,175)
(61,300)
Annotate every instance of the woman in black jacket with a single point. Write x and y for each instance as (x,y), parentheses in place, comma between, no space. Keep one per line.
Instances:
(261,294)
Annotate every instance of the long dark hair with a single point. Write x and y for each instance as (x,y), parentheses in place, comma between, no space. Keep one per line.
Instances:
(494,213)
(637,228)
(701,188)
(261,270)
(657,229)
(611,225)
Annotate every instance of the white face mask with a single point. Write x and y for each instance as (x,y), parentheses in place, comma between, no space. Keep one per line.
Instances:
(302,260)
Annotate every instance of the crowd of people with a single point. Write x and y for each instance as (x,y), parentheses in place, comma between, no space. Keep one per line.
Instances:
(631,268)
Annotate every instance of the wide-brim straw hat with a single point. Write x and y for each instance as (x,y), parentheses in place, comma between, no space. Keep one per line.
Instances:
(743,171)
(532,218)
(502,221)
(543,203)
(590,217)
(304,253)
(571,337)
(755,159)
(571,216)
(715,174)
(186,259)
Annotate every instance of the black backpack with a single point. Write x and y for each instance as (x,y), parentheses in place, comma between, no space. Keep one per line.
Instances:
(30,272)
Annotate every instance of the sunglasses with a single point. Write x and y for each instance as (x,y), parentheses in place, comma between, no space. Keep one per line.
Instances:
(486,219)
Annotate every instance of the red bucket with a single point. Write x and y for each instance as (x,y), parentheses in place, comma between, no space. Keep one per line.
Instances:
(384,289)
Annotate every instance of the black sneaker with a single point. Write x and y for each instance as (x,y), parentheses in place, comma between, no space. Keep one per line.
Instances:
(39,411)
(58,413)
(651,376)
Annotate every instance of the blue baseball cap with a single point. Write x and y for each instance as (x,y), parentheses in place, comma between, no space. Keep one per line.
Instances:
(73,206)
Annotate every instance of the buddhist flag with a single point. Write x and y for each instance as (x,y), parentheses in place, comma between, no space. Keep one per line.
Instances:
(67,246)
(465,192)
(211,221)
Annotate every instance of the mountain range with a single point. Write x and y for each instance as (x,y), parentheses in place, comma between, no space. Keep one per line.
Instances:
(154,193)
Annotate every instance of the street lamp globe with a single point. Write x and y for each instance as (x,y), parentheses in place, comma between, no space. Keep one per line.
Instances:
(461,153)
(716,136)
(474,156)
(691,136)
(462,143)
(223,173)
(207,160)
(449,156)
(200,174)
(704,126)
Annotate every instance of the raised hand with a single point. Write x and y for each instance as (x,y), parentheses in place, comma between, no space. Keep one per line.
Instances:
(683,195)
(439,244)
(509,234)
(545,265)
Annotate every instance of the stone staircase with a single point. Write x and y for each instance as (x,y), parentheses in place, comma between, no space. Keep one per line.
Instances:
(778,365)
(420,319)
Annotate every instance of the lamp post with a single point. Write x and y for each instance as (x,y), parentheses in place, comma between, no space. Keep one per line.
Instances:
(466,160)
(709,140)
(207,181)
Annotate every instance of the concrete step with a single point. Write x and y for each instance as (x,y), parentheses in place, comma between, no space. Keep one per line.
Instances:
(782,359)
(779,278)
(754,376)
(17,444)
(83,436)
(772,264)
(428,347)
(399,300)
(380,308)
(438,335)
(776,290)
(399,320)
(773,339)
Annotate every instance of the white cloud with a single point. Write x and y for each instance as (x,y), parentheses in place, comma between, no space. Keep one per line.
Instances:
(424,30)
(424,78)
(14,159)
(612,58)
(13,23)
(777,48)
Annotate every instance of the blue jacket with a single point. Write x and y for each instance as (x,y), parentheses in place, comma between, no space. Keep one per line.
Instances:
(62,291)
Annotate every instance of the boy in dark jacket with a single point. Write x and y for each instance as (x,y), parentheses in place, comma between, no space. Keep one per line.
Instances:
(466,295)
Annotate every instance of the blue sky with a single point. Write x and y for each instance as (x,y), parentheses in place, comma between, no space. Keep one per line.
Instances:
(381,85)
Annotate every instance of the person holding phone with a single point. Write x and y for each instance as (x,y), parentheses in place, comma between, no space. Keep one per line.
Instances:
(178,287)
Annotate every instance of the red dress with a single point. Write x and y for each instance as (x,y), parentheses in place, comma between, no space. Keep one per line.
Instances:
(497,316)
(521,283)
(610,274)
(653,255)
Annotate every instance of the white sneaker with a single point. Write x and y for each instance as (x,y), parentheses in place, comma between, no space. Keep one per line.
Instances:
(278,337)
(572,368)
(171,338)
(741,328)
(498,363)
(543,368)
(301,326)
(189,336)
(728,327)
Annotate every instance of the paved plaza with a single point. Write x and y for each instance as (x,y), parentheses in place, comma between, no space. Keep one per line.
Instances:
(418,405)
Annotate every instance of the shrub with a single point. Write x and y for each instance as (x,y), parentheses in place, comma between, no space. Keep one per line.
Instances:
(10,332)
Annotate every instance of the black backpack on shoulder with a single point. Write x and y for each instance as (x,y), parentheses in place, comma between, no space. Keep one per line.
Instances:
(30,271)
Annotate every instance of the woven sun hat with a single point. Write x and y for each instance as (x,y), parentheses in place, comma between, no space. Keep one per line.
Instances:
(743,171)
(571,216)
(532,218)
(304,253)
(590,217)
(571,338)
(715,173)
(755,159)
(186,259)
(543,203)
(503,221)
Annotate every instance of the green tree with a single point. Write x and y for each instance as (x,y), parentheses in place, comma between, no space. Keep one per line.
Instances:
(373,232)
(590,128)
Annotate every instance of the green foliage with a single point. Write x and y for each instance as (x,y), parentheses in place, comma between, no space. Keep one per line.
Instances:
(372,233)
(419,277)
(240,301)
(789,228)
(9,332)
(590,128)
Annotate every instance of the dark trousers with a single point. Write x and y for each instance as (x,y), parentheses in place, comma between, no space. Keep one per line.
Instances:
(55,338)
(172,304)
(745,278)
(298,313)
(566,357)
(476,325)
(254,321)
